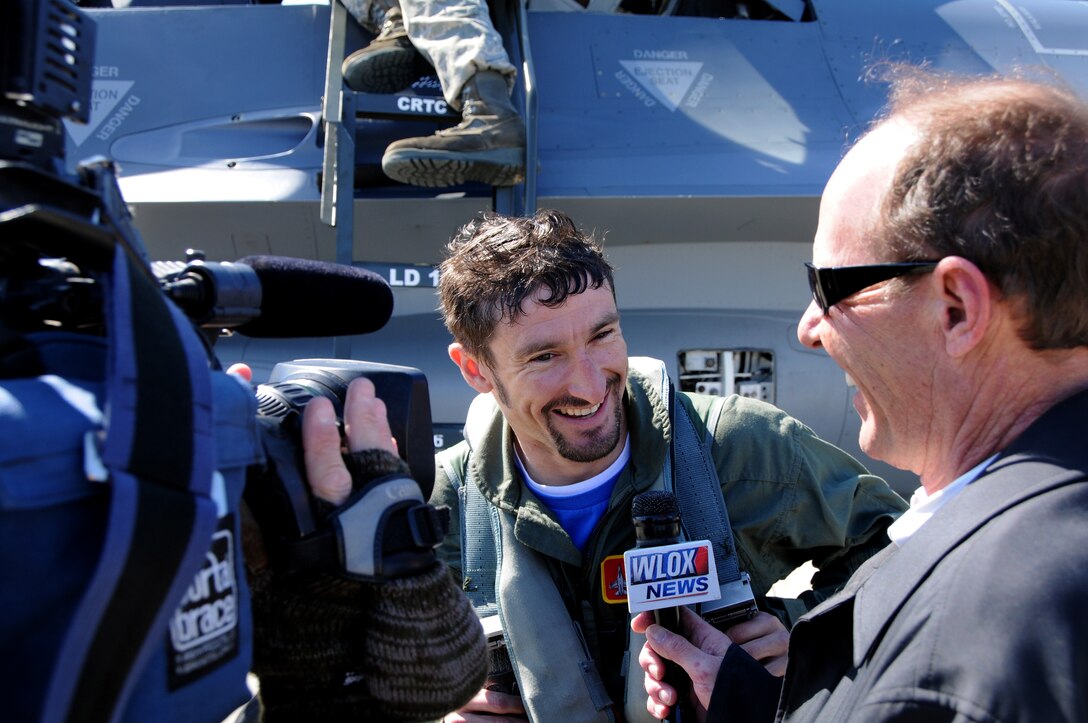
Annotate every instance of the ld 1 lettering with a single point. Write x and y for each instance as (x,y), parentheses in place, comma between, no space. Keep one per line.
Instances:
(410,278)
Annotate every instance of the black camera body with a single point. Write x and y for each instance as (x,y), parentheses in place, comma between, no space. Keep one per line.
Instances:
(131,453)
(58,236)
(403,389)
(297,535)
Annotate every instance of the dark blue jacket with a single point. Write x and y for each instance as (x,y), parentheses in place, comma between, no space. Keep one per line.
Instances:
(979,616)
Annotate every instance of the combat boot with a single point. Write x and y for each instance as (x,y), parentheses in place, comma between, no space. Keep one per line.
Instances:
(389,63)
(487,146)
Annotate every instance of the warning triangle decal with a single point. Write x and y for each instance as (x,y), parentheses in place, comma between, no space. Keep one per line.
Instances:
(667,80)
(105,95)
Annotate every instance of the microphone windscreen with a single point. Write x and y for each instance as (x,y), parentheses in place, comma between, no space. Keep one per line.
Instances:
(303,297)
(655,503)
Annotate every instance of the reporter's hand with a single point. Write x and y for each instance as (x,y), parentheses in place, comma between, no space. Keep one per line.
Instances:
(490,706)
(699,651)
(766,639)
(366,426)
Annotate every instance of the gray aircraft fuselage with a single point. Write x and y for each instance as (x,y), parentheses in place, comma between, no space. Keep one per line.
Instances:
(696,147)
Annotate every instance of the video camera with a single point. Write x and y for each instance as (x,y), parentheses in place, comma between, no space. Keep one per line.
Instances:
(107,569)
(132,465)
(58,231)
(279,495)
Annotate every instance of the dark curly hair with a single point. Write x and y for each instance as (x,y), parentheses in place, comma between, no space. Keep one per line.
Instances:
(495,262)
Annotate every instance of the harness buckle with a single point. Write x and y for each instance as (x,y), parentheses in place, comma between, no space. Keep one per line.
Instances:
(736,604)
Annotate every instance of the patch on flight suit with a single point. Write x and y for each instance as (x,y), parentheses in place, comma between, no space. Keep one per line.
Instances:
(613,580)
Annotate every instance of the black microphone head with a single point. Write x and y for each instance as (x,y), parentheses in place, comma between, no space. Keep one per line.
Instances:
(302,297)
(655,503)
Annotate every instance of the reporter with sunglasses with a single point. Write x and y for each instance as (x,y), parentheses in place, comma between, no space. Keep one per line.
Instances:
(950,281)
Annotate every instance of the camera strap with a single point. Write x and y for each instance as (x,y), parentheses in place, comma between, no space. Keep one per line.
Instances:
(156,452)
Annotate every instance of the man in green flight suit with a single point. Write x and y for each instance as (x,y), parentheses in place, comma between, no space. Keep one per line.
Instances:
(564,435)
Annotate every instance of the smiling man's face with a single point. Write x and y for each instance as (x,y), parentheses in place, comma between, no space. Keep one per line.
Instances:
(879,337)
(559,375)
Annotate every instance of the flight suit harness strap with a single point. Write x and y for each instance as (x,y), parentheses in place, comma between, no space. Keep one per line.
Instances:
(508,580)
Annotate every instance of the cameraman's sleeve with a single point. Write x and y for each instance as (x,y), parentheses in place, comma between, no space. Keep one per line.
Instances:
(331,648)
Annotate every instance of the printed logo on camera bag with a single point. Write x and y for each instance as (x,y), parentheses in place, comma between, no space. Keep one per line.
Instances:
(204,629)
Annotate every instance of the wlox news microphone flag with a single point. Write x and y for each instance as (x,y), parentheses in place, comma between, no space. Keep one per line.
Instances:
(670,575)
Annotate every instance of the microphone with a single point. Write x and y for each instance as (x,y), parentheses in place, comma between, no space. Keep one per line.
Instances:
(656,516)
(278,296)
(657,522)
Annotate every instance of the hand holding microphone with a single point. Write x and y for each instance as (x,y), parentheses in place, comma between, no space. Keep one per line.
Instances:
(698,650)
(664,572)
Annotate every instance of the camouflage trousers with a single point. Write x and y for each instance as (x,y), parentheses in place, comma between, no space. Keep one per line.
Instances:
(457,37)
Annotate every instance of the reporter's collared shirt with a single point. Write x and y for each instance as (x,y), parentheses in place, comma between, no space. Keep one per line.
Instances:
(923,506)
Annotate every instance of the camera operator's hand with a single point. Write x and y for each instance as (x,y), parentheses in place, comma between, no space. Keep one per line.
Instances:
(366,427)
(404,645)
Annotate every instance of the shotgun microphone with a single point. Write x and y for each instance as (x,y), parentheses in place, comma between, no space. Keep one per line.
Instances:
(278,296)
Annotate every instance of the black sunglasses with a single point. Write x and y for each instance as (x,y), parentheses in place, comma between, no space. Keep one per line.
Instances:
(832,284)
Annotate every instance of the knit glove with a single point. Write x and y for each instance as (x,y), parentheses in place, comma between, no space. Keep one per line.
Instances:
(363,644)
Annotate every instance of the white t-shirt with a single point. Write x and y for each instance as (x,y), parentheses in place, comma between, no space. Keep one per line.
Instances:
(923,506)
